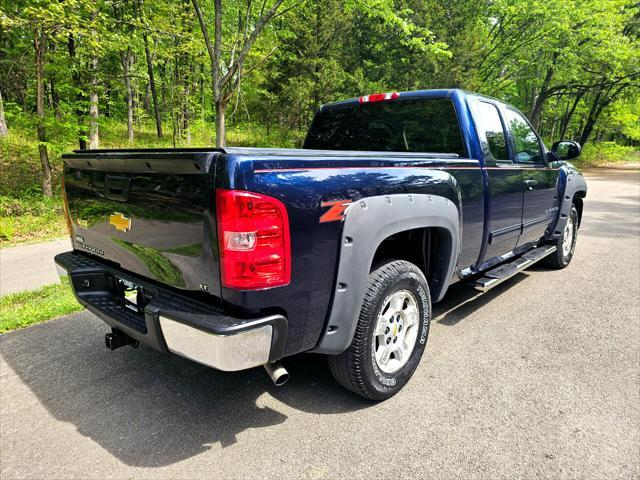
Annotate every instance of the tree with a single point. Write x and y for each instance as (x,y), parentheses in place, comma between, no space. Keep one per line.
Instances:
(3,122)
(40,46)
(152,82)
(94,138)
(79,95)
(126,60)
(226,77)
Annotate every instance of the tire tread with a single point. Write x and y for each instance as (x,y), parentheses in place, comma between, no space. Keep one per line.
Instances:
(347,367)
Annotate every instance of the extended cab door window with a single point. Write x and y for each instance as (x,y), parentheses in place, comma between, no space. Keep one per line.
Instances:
(539,201)
(491,133)
(505,181)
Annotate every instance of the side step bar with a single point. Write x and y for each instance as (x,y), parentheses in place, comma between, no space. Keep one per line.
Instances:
(497,275)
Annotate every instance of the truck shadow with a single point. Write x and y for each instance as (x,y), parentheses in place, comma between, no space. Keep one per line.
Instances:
(150,409)
(462,301)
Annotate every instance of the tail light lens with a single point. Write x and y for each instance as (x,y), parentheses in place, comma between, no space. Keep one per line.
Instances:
(253,235)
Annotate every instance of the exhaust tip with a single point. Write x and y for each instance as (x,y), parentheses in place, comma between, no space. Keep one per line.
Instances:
(278,374)
(281,380)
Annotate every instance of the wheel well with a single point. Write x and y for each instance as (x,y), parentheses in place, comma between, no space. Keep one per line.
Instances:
(577,201)
(430,249)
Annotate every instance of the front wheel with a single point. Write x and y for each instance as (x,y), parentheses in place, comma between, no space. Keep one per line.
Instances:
(566,244)
(391,333)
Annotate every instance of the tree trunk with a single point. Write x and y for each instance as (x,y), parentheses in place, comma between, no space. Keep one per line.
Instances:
(125,57)
(538,104)
(146,103)
(94,139)
(569,114)
(55,100)
(202,94)
(152,84)
(40,44)
(108,99)
(221,132)
(603,99)
(4,131)
(186,111)
(82,133)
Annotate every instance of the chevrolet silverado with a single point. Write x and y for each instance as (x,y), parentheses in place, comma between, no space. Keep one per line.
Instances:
(239,257)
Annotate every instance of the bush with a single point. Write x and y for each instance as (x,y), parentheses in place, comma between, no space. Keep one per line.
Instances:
(602,153)
(30,217)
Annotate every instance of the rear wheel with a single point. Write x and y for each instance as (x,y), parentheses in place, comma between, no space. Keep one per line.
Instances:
(566,244)
(391,333)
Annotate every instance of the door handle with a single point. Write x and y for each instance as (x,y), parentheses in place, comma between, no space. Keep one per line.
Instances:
(530,183)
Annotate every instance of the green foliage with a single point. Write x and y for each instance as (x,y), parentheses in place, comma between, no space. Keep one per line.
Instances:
(19,310)
(572,66)
(605,153)
(30,217)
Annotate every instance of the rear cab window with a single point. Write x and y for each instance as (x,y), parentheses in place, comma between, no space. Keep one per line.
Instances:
(412,125)
(491,133)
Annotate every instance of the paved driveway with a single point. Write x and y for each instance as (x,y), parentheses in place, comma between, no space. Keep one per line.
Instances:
(538,378)
(28,267)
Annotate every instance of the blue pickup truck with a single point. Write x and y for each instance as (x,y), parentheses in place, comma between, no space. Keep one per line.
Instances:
(239,257)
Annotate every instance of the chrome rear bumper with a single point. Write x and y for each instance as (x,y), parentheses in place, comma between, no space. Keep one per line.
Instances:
(239,351)
(172,321)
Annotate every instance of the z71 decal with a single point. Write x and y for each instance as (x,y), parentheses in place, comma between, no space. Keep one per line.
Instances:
(335,212)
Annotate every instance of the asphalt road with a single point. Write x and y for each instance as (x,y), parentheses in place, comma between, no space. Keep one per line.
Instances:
(539,378)
(27,267)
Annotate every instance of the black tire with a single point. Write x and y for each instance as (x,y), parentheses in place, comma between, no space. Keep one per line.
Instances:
(357,368)
(560,258)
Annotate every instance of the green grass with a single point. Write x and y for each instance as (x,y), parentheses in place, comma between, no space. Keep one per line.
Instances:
(30,218)
(19,310)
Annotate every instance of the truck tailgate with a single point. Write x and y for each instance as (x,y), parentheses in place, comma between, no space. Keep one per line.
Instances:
(147,212)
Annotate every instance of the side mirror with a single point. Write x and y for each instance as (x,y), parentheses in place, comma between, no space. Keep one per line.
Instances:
(566,149)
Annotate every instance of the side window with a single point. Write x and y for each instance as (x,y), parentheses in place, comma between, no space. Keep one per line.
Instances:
(527,144)
(490,131)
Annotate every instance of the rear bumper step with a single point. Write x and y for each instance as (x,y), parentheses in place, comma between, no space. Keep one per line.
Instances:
(495,276)
(171,321)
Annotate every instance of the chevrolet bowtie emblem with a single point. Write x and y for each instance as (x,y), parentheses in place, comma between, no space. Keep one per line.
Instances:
(122,223)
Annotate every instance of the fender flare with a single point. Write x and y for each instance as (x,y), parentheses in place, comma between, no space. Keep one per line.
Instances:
(571,182)
(367,223)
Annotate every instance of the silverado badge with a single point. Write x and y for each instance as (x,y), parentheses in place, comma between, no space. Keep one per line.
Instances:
(122,223)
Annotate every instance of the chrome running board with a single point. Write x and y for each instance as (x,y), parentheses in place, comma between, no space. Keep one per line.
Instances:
(499,274)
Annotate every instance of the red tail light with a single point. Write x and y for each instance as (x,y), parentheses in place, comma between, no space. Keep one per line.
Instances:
(379,97)
(253,235)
